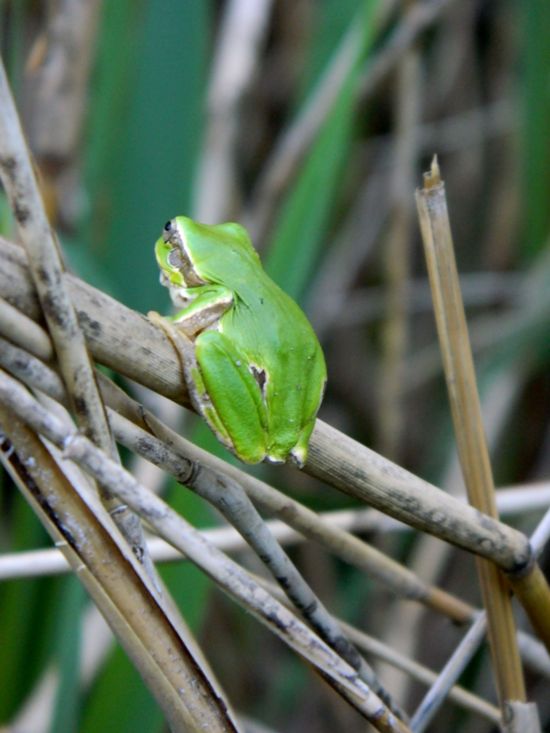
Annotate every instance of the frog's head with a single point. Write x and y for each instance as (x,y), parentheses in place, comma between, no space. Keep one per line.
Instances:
(173,255)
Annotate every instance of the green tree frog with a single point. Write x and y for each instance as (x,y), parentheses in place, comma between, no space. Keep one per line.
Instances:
(252,363)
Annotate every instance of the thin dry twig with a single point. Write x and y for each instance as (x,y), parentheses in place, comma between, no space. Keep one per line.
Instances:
(441,688)
(20,299)
(417,671)
(39,377)
(441,602)
(230,498)
(46,270)
(224,493)
(513,500)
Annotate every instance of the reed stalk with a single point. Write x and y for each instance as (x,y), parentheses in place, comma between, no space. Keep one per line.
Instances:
(530,586)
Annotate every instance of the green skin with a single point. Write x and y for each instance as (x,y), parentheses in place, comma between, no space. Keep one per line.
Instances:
(253,365)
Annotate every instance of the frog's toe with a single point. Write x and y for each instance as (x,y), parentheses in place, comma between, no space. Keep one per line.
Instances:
(274,460)
(298,455)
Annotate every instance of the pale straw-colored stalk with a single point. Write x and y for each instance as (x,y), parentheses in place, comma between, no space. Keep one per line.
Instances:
(459,370)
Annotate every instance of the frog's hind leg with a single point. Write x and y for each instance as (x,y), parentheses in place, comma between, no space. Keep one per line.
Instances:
(235,396)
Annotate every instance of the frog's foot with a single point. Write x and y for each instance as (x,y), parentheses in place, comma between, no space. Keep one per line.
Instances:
(298,454)
(274,460)
(183,346)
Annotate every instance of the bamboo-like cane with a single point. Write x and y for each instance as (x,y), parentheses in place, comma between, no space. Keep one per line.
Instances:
(532,588)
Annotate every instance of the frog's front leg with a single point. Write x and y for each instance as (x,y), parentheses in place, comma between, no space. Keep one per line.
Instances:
(185,349)
(206,306)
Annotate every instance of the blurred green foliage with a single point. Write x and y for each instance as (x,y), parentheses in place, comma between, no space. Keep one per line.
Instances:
(144,136)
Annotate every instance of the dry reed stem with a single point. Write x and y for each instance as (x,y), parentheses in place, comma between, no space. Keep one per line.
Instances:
(23,296)
(128,343)
(122,409)
(349,548)
(516,717)
(417,671)
(14,325)
(46,268)
(327,531)
(466,411)
(169,451)
(532,590)
(232,578)
(116,582)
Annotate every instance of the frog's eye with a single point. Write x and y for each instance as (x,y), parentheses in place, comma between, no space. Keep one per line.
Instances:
(168,230)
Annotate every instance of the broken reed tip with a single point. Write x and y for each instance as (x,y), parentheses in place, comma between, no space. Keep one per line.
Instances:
(432,178)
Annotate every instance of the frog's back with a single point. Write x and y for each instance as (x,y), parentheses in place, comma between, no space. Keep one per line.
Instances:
(285,357)
(222,253)
(272,330)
